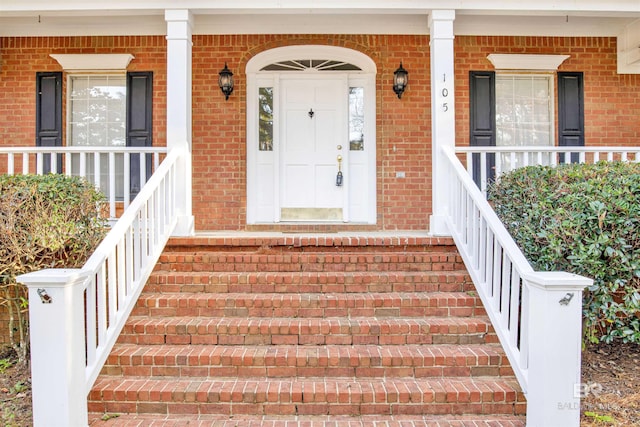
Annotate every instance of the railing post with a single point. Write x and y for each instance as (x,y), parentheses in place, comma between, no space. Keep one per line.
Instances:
(57,335)
(443,126)
(553,329)
(179,70)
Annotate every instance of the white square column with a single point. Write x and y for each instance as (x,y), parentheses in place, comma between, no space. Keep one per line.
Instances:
(443,125)
(179,71)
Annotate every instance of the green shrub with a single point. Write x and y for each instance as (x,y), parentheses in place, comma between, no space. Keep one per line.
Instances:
(50,221)
(584,219)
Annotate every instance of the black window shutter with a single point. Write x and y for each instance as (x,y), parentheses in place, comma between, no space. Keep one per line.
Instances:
(139,122)
(571,111)
(482,129)
(49,114)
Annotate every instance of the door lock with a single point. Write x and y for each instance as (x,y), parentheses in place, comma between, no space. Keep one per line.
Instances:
(339,177)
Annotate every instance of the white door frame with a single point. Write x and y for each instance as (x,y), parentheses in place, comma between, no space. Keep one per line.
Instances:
(263,167)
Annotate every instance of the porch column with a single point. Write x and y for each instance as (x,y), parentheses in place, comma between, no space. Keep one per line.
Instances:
(179,70)
(443,130)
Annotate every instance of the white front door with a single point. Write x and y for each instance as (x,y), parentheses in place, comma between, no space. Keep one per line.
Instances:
(314,148)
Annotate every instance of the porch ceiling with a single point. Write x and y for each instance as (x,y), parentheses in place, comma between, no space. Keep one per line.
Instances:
(474,17)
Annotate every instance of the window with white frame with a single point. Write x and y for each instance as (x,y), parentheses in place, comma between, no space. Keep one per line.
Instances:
(97,118)
(524,114)
(524,110)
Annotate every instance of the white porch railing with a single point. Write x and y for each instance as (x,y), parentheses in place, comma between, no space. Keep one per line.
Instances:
(536,315)
(83,310)
(104,166)
(485,161)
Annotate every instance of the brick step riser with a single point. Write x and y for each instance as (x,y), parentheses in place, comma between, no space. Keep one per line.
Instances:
(364,362)
(308,306)
(320,283)
(234,398)
(159,334)
(309,312)
(306,372)
(235,409)
(312,262)
(316,421)
(293,267)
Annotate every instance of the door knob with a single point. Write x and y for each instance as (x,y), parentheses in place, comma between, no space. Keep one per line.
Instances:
(339,147)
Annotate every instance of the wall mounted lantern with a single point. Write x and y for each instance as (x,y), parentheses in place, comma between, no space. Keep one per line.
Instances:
(225,81)
(400,80)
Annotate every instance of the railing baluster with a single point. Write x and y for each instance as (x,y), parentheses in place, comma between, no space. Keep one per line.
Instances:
(127,180)
(96,169)
(25,163)
(101,288)
(514,309)
(82,164)
(39,164)
(9,163)
(112,185)
(112,288)
(121,280)
(54,163)
(143,169)
(482,245)
(91,320)
(505,281)
(483,173)
(67,164)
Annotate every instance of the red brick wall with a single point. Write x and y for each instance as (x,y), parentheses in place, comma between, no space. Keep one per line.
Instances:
(219,127)
(611,100)
(22,57)
(403,126)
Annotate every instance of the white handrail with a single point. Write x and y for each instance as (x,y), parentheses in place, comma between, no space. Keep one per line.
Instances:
(107,167)
(73,335)
(485,163)
(124,260)
(536,315)
(493,259)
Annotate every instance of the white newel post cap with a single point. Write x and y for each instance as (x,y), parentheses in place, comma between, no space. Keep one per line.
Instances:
(56,328)
(557,281)
(553,322)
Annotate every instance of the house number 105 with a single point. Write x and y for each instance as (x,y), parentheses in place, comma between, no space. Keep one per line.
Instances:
(445,93)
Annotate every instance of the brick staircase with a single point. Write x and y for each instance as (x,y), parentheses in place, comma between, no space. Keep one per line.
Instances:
(302,330)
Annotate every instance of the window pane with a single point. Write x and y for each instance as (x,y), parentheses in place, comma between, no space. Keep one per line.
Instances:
(523,110)
(98,103)
(265,118)
(356,118)
(97,117)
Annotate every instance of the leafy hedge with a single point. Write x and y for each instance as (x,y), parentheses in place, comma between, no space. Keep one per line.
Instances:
(583,219)
(46,221)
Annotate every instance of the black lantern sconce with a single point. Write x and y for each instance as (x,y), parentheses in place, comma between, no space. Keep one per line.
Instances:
(400,80)
(225,81)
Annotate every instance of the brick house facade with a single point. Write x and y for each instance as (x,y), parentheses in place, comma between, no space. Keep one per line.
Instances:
(403,126)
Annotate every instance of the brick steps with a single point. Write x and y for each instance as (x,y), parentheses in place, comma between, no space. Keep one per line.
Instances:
(308,421)
(321,396)
(322,305)
(315,331)
(311,262)
(306,331)
(419,361)
(309,282)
